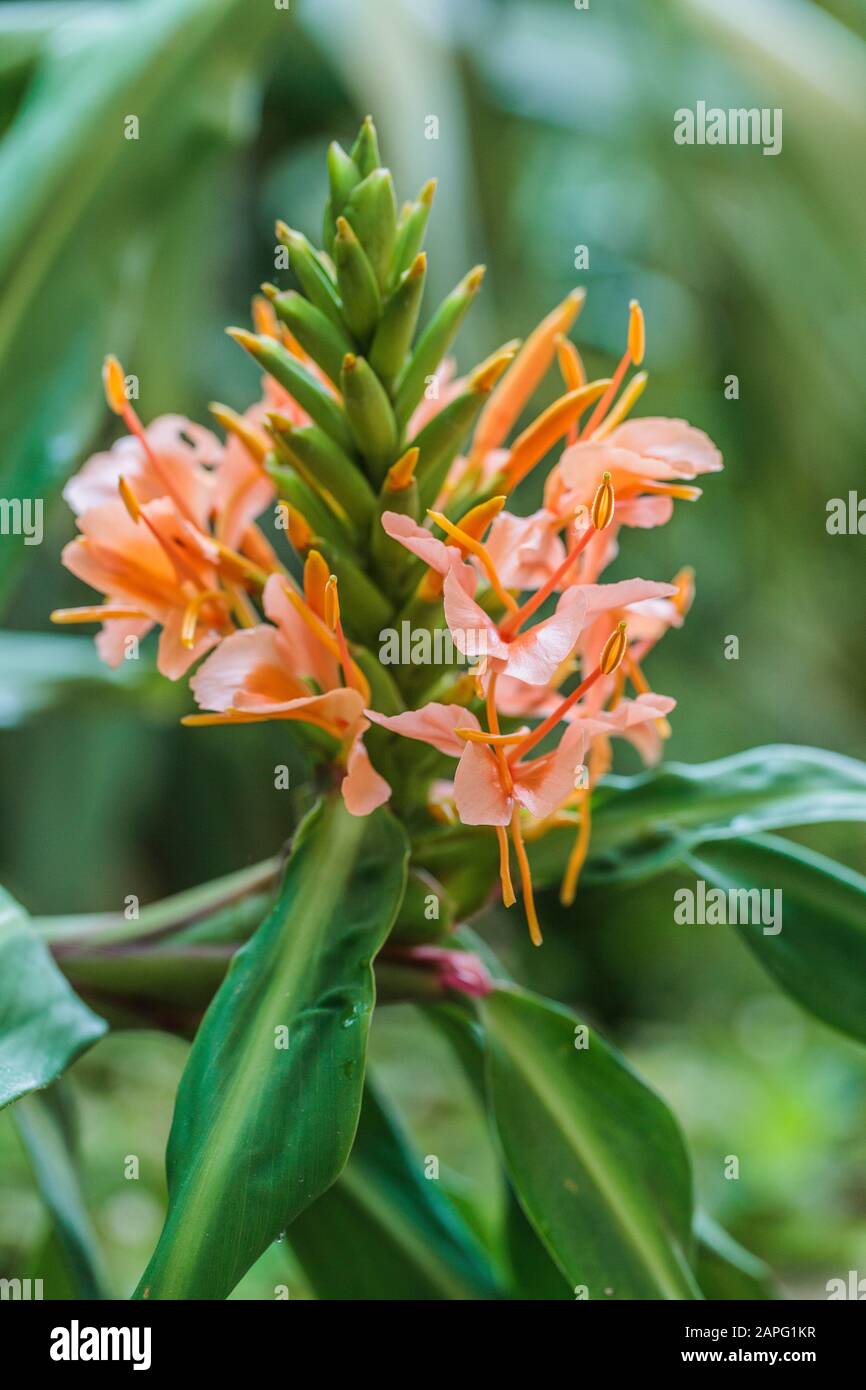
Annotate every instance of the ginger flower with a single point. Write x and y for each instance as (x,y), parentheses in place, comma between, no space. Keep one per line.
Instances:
(399,483)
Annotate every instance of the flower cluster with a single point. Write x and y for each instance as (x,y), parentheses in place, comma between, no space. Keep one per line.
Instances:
(357,453)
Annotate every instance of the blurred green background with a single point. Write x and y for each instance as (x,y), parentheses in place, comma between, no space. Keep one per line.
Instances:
(555,130)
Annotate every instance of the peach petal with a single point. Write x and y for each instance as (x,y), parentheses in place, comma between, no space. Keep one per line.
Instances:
(478,791)
(363,789)
(534,655)
(434,724)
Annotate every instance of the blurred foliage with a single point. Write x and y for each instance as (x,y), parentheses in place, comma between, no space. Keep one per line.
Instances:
(555,130)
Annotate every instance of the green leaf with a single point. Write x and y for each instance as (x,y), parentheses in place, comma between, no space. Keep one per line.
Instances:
(262,1129)
(595,1157)
(819,956)
(47,1131)
(725,1270)
(383,1231)
(84,213)
(44,1026)
(643,825)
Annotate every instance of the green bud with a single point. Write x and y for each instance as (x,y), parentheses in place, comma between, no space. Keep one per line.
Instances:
(357,283)
(343,176)
(393,337)
(370,415)
(291,488)
(315,456)
(365,151)
(433,344)
(329,225)
(397,495)
(410,232)
(300,383)
(441,439)
(318,335)
(311,273)
(372,211)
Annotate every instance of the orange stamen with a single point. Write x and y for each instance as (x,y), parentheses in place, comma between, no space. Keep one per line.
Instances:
(467,542)
(632,393)
(192,612)
(544,728)
(525,878)
(578,854)
(96,613)
(514,623)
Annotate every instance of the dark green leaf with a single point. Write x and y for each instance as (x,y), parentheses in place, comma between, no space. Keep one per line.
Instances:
(44,1026)
(595,1157)
(819,955)
(724,1269)
(384,1231)
(265,1120)
(45,1126)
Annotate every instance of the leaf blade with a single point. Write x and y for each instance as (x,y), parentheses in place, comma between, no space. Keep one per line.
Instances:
(277,1124)
(622,1230)
(44,1026)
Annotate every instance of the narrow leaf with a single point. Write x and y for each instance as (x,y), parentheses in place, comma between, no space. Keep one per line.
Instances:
(595,1157)
(383,1231)
(48,1135)
(268,1103)
(819,953)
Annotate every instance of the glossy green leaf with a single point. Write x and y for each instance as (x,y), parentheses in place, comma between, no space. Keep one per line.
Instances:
(644,823)
(46,1126)
(819,955)
(383,1231)
(595,1157)
(44,1026)
(724,1269)
(268,1103)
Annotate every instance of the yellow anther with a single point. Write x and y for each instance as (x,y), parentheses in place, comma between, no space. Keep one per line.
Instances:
(332,603)
(603,504)
(130,501)
(614,650)
(401,473)
(684,580)
(636,333)
(96,613)
(115,385)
